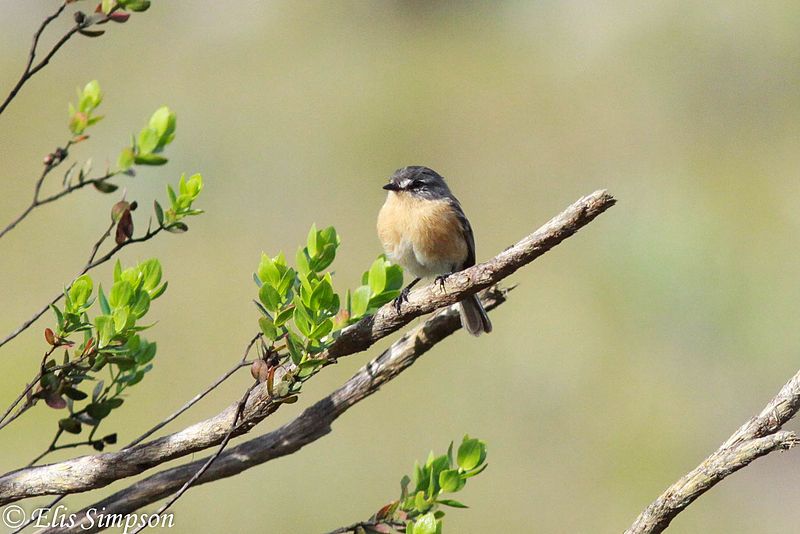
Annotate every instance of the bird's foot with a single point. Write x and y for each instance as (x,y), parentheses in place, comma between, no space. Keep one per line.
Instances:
(441,279)
(402,297)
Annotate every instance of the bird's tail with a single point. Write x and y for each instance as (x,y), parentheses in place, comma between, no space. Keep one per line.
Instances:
(473,316)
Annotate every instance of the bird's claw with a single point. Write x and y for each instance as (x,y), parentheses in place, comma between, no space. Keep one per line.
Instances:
(402,297)
(441,279)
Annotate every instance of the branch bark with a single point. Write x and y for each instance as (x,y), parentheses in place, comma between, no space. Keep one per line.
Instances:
(314,423)
(91,472)
(758,437)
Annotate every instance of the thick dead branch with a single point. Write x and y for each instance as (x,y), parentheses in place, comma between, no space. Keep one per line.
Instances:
(91,472)
(759,436)
(314,423)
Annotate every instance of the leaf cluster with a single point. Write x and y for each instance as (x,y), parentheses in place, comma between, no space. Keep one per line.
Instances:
(110,339)
(418,508)
(146,148)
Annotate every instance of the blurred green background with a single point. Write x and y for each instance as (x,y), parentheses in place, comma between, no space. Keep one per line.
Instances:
(626,354)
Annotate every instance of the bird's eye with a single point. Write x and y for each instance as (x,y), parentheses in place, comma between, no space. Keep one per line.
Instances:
(416,184)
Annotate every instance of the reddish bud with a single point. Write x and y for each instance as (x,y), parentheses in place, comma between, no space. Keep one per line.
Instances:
(49,336)
(56,401)
(255,369)
(124,228)
(119,16)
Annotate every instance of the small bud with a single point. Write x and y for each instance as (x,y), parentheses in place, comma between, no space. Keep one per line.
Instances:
(98,445)
(49,336)
(80,17)
(255,369)
(134,205)
(124,227)
(110,439)
(119,16)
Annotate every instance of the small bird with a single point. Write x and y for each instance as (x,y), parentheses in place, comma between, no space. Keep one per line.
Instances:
(424,230)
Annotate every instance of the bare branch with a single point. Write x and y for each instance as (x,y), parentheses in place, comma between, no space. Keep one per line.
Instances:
(759,436)
(82,22)
(91,472)
(32,56)
(314,423)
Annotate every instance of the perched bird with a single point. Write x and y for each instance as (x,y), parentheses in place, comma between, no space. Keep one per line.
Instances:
(424,230)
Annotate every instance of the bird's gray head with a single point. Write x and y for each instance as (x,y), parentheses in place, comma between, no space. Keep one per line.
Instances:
(419,181)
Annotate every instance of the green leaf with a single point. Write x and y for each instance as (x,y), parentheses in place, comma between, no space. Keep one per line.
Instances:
(161,121)
(312,241)
(105,186)
(75,394)
(321,296)
(377,276)
(126,159)
(159,213)
(171,194)
(471,453)
(159,291)
(121,294)
(426,524)
(98,410)
(360,301)
(269,297)
(268,273)
(452,502)
(420,503)
(177,228)
(59,316)
(147,353)
(151,273)
(70,425)
(141,304)
(394,277)
(324,258)
(147,142)
(268,328)
(450,481)
(135,5)
(283,316)
(105,329)
(150,159)
(90,97)
(287,282)
(294,346)
(322,329)
(120,316)
(301,258)
(302,320)
(476,472)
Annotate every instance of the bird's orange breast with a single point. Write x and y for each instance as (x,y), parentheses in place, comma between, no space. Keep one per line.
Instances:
(425,232)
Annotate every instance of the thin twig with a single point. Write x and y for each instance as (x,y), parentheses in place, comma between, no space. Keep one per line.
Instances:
(3,421)
(191,402)
(29,71)
(37,202)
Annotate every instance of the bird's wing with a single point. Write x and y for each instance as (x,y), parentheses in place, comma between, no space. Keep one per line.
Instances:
(467,233)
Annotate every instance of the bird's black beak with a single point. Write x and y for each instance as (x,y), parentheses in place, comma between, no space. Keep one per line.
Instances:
(391,186)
